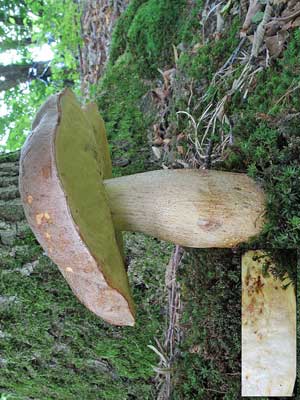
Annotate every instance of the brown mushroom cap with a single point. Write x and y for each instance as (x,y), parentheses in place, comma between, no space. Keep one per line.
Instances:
(62,166)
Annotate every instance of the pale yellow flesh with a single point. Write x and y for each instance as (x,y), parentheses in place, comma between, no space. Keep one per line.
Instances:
(268,331)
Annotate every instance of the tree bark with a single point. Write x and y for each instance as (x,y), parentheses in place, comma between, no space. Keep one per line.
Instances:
(98,20)
(14,74)
(12,219)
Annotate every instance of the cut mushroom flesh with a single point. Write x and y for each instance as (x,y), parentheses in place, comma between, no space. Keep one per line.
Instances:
(268,330)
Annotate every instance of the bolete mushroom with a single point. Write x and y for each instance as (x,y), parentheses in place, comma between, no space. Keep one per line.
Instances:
(77,212)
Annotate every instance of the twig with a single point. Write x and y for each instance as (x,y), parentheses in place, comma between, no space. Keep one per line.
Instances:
(260,31)
(287,94)
(167,352)
(231,59)
(191,95)
(207,162)
(215,391)
(288,17)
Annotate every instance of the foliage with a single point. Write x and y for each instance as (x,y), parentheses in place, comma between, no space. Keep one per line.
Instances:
(38,23)
(22,106)
(15,23)
(60,23)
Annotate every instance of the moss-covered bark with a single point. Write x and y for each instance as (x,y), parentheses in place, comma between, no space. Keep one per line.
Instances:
(12,219)
(209,363)
(51,346)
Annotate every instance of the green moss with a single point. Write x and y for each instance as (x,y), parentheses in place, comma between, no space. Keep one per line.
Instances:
(211,56)
(119,36)
(152,33)
(52,347)
(120,94)
(147,30)
(188,32)
(267,146)
(209,362)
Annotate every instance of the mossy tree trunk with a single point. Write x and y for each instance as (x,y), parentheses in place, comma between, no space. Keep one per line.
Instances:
(19,250)
(51,345)
(209,363)
(12,219)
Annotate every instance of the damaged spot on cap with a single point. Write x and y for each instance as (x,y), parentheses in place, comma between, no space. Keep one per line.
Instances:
(47,235)
(47,216)
(87,269)
(69,269)
(46,171)
(42,218)
(29,199)
(39,218)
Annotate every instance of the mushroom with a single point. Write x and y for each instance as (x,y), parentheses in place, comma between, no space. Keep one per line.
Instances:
(77,211)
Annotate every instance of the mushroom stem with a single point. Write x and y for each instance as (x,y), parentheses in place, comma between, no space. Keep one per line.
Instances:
(193,208)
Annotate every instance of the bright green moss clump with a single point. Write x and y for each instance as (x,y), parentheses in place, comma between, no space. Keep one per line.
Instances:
(147,30)
(119,36)
(120,94)
(205,61)
(209,363)
(267,145)
(153,31)
(52,347)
